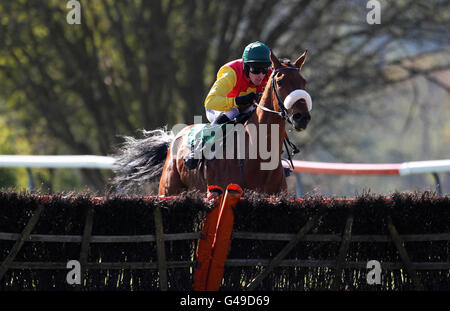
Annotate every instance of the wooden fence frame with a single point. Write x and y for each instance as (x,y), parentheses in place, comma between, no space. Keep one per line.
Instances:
(278,261)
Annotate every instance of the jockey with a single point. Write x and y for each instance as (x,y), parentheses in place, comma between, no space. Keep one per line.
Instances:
(236,88)
(238,83)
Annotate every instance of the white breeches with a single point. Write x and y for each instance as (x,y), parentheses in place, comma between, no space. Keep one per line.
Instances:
(231,114)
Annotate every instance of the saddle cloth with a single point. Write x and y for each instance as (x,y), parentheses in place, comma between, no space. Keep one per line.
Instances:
(202,135)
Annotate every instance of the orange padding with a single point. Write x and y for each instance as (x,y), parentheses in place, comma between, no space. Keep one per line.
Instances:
(205,243)
(214,244)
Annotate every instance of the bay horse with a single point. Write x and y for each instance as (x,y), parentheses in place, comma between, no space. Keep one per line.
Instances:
(160,153)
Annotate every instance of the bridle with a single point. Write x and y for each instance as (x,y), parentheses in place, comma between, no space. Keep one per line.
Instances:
(283,113)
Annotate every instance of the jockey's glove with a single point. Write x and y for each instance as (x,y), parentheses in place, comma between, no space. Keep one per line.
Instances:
(246,100)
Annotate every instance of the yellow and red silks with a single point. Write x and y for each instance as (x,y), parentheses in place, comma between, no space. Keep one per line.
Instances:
(231,82)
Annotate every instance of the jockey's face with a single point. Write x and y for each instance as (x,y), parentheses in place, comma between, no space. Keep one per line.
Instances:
(256,78)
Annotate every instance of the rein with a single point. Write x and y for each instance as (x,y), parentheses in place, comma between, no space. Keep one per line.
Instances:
(283,113)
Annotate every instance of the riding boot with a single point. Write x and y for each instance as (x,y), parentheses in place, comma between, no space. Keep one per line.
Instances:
(221,119)
(189,160)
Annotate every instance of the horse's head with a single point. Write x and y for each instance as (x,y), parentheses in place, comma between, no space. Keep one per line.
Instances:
(289,87)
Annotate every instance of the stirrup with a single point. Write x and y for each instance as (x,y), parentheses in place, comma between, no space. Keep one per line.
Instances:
(190,162)
(221,119)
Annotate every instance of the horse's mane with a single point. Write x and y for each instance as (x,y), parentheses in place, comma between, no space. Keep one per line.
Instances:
(287,62)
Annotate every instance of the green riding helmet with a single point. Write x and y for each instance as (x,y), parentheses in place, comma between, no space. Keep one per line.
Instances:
(256,52)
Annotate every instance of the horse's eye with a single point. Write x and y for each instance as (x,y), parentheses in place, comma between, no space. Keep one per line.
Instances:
(280,83)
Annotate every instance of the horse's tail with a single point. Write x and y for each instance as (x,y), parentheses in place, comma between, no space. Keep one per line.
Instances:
(141,161)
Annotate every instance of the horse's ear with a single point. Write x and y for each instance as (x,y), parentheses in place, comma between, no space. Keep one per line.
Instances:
(275,62)
(301,60)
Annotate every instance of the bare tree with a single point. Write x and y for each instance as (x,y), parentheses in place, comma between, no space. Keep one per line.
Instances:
(143,64)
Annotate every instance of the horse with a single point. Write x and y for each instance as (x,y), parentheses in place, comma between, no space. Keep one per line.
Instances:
(160,154)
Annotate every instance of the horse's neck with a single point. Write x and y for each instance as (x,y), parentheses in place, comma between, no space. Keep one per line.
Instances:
(269,118)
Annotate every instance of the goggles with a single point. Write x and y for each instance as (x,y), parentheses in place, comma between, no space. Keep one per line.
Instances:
(258,70)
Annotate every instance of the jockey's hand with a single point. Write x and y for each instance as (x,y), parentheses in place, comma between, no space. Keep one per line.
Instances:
(246,100)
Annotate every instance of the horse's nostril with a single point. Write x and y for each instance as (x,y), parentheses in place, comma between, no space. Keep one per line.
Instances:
(297,116)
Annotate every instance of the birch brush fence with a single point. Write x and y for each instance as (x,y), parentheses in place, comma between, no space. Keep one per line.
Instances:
(277,244)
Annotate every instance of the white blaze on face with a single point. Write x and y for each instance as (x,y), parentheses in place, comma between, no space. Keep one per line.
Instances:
(295,96)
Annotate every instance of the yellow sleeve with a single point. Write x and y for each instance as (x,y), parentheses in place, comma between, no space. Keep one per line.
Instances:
(217,97)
